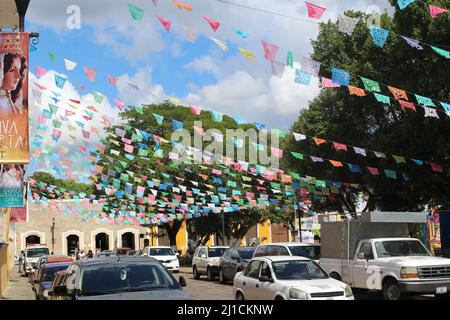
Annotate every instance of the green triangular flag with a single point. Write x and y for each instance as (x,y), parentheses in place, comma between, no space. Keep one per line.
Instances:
(297,155)
(52,56)
(136,13)
(53,108)
(442,52)
(139,110)
(98,97)
(159,118)
(290,59)
(399,159)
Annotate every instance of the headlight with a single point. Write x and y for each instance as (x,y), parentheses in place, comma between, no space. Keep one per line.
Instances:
(298,294)
(45,293)
(408,272)
(348,292)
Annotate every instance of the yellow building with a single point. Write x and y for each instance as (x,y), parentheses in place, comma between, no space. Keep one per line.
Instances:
(4,250)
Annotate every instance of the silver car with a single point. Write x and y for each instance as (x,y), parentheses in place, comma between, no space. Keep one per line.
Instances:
(206,260)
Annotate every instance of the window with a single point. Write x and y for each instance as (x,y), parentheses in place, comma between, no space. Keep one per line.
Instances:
(260,251)
(227,254)
(216,252)
(245,253)
(282,251)
(298,270)
(310,252)
(400,248)
(272,251)
(265,270)
(252,270)
(366,248)
(161,252)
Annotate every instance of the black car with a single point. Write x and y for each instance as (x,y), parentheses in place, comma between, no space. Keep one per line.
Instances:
(44,278)
(119,278)
(234,260)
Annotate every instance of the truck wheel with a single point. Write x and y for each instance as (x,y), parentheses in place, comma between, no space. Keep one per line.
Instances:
(196,274)
(391,290)
(335,276)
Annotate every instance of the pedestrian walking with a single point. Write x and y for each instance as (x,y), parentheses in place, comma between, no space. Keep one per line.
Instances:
(21,260)
(90,254)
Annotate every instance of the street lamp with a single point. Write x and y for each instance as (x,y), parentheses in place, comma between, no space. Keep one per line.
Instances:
(53,235)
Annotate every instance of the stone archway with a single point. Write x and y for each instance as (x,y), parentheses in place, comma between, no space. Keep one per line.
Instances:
(103,239)
(73,242)
(67,236)
(130,235)
(31,235)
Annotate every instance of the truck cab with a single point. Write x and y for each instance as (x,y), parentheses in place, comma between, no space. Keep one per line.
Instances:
(395,265)
(32,255)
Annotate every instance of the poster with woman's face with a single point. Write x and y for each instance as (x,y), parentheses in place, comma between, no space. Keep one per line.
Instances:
(14,50)
(11,185)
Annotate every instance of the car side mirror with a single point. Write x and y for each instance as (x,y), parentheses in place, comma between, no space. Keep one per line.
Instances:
(203,256)
(36,281)
(182,281)
(360,256)
(60,291)
(266,279)
(50,293)
(177,254)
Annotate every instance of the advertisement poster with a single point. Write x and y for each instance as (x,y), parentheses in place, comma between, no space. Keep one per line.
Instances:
(19,214)
(14,51)
(11,185)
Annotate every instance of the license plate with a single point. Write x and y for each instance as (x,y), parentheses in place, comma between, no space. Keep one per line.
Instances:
(441,290)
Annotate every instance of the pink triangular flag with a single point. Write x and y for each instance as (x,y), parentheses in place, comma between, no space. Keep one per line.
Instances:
(40,71)
(91,74)
(270,50)
(213,23)
(112,80)
(195,110)
(328,83)
(435,11)
(315,11)
(119,104)
(166,24)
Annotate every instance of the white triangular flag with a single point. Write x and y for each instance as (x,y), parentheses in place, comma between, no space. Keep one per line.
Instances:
(70,65)
(221,44)
(299,137)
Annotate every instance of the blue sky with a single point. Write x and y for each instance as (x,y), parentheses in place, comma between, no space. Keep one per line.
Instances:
(166,64)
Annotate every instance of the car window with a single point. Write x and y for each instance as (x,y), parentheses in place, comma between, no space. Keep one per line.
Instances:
(298,270)
(245,253)
(161,252)
(252,270)
(265,270)
(126,278)
(260,251)
(48,274)
(272,251)
(311,252)
(227,254)
(215,252)
(282,251)
(366,248)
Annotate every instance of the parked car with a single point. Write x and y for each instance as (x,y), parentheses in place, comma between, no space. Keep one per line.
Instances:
(32,255)
(135,253)
(44,278)
(45,259)
(165,255)
(287,278)
(122,251)
(298,249)
(234,260)
(122,278)
(107,253)
(206,261)
(57,281)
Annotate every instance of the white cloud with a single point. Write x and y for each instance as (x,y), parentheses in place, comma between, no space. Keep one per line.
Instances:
(203,64)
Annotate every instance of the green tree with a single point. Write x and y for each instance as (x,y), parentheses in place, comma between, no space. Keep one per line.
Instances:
(361,121)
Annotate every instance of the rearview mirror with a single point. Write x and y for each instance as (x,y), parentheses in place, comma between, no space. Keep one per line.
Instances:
(182,281)
(360,256)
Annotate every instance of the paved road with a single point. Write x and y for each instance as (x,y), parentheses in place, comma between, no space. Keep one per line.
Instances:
(203,289)
(19,288)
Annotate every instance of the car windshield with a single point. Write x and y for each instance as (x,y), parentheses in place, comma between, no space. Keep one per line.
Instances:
(126,278)
(400,248)
(311,252)
(216,252)
(246,254)
(107,254)
(38,252)
(48,274)
(298,270)
(161,252)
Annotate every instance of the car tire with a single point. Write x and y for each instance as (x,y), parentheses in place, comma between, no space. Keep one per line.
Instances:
(210,274)
(278,298)
(391,290)
(240,296)
(222,278)
(195,273)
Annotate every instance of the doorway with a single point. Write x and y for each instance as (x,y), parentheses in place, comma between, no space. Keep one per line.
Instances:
(128,240)
(72,244)
(102,241)
(32,240)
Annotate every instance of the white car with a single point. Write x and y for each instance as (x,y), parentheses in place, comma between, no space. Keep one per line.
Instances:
(206,260)
(299,249)
(32,255)
(287,278)
(165,255)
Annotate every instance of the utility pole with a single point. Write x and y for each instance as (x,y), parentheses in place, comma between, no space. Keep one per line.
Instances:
(22,7)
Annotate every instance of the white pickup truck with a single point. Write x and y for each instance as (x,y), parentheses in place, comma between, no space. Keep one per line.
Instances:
(32,255)
(395,265)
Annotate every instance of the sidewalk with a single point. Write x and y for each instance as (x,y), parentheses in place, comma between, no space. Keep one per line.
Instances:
(18,288)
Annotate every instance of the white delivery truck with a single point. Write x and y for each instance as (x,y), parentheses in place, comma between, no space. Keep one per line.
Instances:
(32,254)
(374,252)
